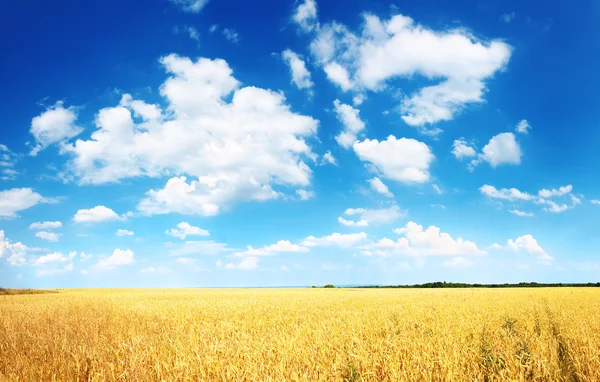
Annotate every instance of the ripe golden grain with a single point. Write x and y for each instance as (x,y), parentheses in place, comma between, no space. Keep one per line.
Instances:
(302,335)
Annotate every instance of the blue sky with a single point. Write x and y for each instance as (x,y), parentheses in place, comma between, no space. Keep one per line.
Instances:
(226,143)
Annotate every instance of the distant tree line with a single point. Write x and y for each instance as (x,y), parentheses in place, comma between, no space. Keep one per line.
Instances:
(444,284)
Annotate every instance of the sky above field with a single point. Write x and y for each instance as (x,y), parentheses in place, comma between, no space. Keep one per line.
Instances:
(281,143)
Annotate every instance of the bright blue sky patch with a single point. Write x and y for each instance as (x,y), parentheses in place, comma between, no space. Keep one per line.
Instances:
(235,143)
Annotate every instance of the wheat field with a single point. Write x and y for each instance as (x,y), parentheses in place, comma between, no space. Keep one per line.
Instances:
(540,334)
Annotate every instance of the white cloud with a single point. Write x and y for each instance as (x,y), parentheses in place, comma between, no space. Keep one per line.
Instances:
(525,243)
(233,142)
(184,229)
(7,162)
(18,199)
(246,264)
(432,241)
(439,206)
(118,258)
(419,242)
(269,250)
(521,213)
(329,158)
(54,257)
(96,214)
(49,236)
(353,125)
(383,50)
(84,257)
(457,262)
(213,28)
(300,75)
(508,17)
(358,99)
(510,194)
(306,16)
(554,207)
(52,272)
(404,160)
(193,33)
(352,223)
(523,127)
(594,201)
(542,198)
(54,125)
(337,74)
(205,247)
(124,232)
(305,195)
(501,149)
(231,35)
(437,189)
(378,186)
(16,254)
(45,225)
(372,216)
(563,190)
(461,149)
(191,6)
(337,239)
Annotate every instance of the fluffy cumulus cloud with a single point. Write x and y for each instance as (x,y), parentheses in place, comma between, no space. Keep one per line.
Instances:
(365,217)
(305,16)
(405,160)
(335,239)
(185,229)
(351,121)
(54,125)
(462,149)
(502,149)
(15,253)
(432,241)
(417,241)
(18,199)
(378,186)
(118,258)
(526,243)
(300,75)
(96,214)
(595,201)
(234,142)
(45,225)
(563,190)
(384,50)
(124,232)
(191,6)
(49,236)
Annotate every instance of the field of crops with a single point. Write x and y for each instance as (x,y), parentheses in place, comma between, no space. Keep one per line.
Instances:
(302,335)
